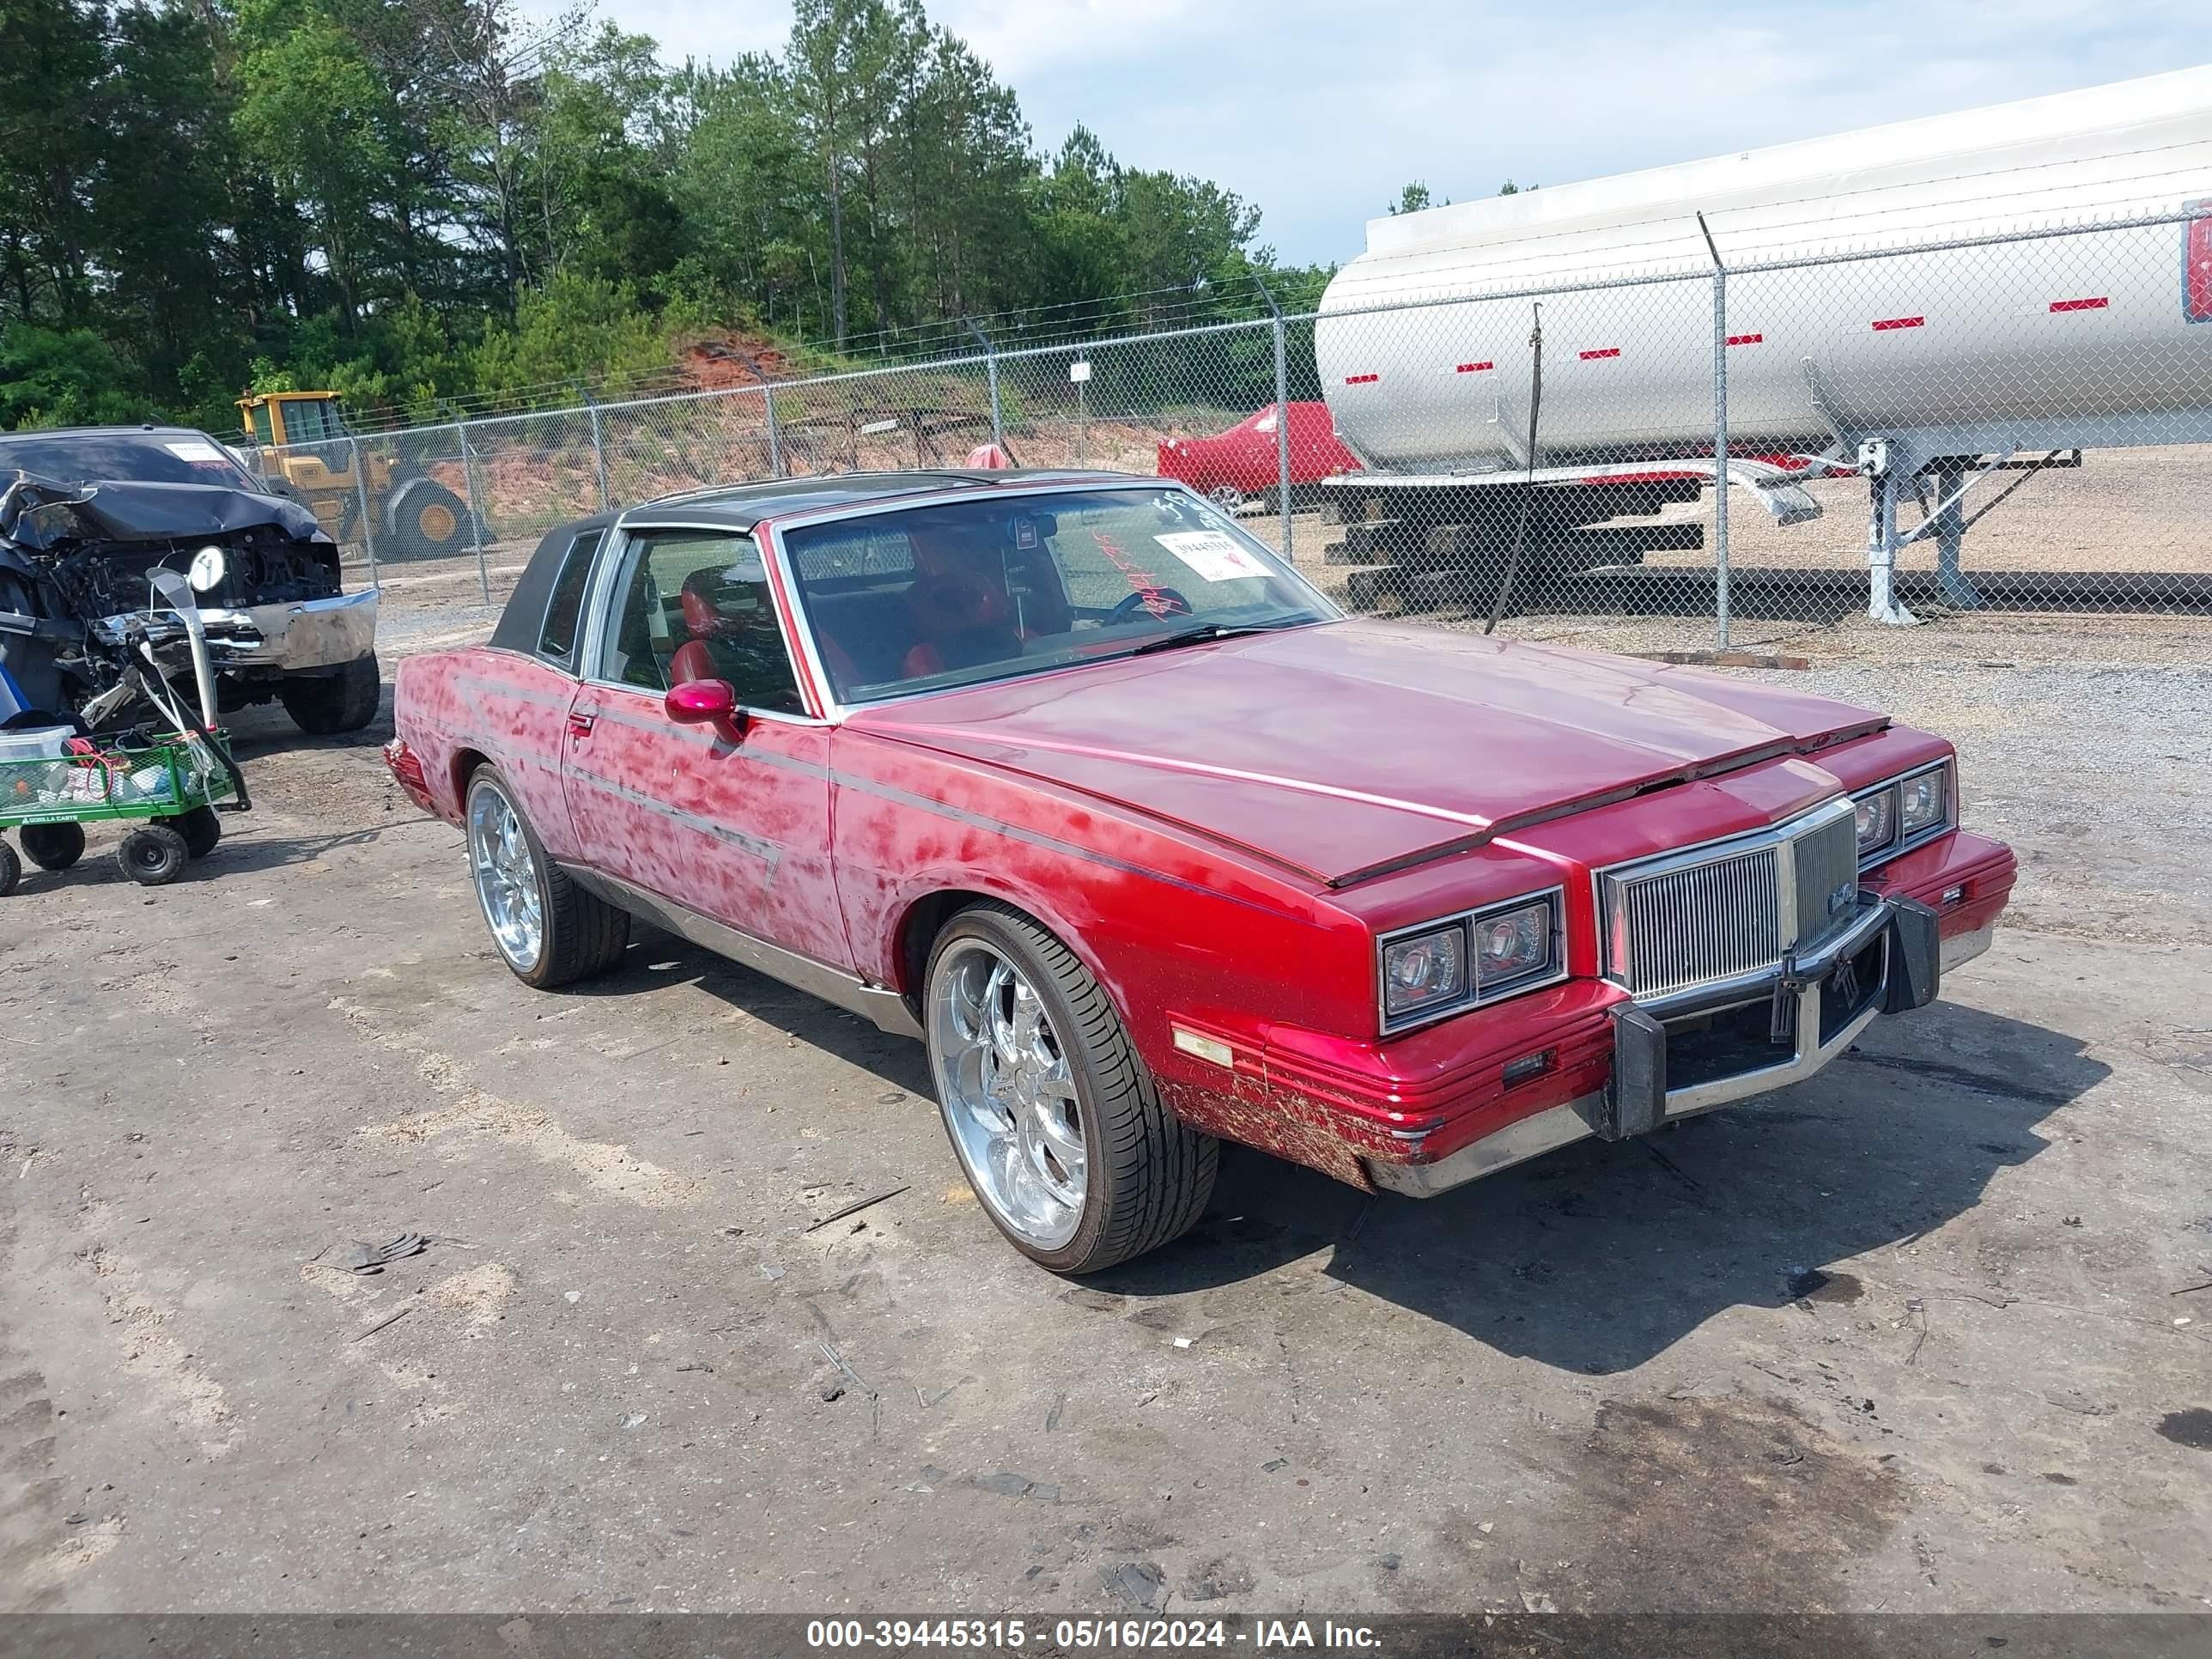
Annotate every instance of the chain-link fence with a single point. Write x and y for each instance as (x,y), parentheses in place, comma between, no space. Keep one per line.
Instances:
(2019,423)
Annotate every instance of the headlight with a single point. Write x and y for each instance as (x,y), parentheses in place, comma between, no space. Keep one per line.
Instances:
(1469,960)
(1927,801)
(1875,815)
(1510,943)
(1424,971)
(206,569)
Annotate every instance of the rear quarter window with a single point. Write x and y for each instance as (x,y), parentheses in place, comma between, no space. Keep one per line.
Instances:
(564,611)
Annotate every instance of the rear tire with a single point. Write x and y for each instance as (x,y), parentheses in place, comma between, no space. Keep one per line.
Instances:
(152,855)
(52,846)
(328,705)
(1147,1176)
(11,869)
(201,828)
(567,935)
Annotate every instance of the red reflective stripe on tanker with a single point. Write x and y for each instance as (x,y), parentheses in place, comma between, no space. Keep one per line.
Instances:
(2079,305)
(1603,351)
(1473,368)
(1745,339)
(1888,322)
(2196,302)
(1361,380)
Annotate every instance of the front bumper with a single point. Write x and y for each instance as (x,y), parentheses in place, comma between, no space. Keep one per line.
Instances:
(1889,960)
(290,638)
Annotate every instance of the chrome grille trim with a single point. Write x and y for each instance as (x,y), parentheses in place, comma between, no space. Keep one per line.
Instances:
(1726,910)
(1826,859)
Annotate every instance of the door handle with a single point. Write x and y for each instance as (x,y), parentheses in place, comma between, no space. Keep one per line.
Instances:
(580,725)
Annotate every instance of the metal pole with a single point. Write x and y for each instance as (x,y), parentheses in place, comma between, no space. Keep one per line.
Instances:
(1282,420)
(476,514)
(360,506)
(1722,597)
(599,448)
(1949,475)
(991,363)
(767,403)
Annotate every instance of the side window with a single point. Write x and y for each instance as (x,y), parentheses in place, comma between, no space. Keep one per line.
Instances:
(695,605)
(557,643)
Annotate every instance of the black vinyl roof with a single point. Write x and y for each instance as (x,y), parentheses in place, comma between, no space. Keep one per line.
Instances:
(740,507)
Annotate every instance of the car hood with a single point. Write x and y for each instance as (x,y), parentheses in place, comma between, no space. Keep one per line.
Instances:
(46,514)
(1345,750)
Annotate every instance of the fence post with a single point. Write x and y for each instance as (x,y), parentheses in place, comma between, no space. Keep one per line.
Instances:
(1722,598)
(476,512)
(1282,421)
(360,506)
(599,448)
(991,364)
(767,403)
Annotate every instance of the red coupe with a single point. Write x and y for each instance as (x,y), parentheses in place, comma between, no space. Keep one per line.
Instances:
(1071,778)
(1244,462)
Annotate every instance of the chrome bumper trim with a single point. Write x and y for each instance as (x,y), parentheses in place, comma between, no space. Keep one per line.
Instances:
(1965,947)
(1562,1124)
(291,636)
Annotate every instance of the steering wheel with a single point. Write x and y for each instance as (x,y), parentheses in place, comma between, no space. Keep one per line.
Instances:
(1173,602)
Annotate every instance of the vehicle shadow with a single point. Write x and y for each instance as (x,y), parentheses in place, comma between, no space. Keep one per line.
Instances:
(657,958)
(1600,1256)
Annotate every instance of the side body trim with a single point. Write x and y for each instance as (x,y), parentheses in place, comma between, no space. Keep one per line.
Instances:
(886,1008)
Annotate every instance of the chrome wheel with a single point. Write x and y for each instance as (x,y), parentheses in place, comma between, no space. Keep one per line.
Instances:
(1007,1093)
(506,878)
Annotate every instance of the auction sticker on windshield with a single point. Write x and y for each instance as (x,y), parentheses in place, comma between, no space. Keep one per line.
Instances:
(1214,556)
(195,449)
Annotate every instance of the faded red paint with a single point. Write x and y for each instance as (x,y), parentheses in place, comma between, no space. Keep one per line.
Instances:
(1219,833)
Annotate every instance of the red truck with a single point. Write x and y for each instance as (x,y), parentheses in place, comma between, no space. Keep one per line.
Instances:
(1072,779)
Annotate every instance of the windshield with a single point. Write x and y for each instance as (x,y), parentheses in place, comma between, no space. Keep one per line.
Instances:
(914,598)
(190,457)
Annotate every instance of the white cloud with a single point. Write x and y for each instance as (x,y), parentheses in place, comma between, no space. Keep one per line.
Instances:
(1318,110)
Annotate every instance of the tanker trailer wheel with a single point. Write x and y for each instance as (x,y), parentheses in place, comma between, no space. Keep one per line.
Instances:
(426,520)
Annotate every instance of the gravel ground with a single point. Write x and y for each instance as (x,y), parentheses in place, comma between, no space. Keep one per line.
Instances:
(1916,1336)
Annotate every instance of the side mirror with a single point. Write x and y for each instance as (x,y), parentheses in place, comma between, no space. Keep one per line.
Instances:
(705,702)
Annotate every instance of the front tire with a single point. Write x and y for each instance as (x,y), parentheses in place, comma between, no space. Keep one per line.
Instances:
(1056,1123)
(328,705)
(549,931)
(426,520)
(152,855)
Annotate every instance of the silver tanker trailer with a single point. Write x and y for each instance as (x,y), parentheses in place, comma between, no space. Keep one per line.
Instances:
(1954,339)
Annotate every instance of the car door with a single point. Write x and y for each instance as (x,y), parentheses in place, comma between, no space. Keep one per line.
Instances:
(731,825)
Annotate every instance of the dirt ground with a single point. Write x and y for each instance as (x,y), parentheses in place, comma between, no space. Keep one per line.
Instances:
(1930,1332)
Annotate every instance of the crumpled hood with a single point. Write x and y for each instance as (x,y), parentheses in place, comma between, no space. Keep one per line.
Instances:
(50,513)
(1344,750)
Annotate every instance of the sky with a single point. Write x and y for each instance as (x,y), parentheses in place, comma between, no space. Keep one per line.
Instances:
(1318,110)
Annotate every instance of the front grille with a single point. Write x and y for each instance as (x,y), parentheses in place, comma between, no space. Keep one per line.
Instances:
(1675,923)
(1828,859)
(1681,927)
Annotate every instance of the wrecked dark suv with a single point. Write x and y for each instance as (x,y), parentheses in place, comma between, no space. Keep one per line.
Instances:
(87,515)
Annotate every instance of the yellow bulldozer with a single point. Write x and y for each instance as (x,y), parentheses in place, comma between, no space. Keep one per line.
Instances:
(306,452)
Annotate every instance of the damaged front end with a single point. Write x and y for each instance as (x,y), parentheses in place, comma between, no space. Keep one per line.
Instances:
(77,568)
